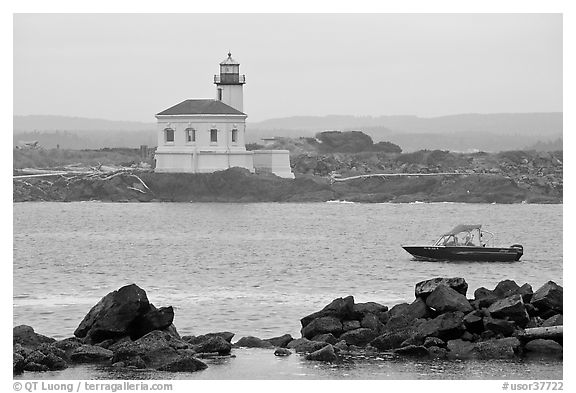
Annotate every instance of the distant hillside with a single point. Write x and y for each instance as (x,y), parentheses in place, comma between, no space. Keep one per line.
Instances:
(67,123)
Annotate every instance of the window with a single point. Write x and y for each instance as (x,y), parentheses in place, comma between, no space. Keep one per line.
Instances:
(190,135)
(168,135)
(213,135)
(234,135)
(219,94)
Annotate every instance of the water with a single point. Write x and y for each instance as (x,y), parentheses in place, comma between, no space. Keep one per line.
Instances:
(254,269)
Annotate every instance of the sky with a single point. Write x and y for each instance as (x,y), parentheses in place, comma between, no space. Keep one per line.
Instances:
(132,66)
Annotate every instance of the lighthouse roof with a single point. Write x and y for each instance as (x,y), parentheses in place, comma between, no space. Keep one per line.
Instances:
(201,107)
(229,60)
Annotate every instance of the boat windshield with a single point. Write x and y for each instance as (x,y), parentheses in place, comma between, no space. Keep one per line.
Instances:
(468,237)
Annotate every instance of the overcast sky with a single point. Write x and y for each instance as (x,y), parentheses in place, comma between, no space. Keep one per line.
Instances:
(132,66)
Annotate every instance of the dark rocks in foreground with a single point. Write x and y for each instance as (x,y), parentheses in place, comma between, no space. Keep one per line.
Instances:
(124,330)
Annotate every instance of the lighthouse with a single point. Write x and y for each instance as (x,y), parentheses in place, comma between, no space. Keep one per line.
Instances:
(230,84)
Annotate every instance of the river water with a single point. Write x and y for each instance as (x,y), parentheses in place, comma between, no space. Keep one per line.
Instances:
(256,269)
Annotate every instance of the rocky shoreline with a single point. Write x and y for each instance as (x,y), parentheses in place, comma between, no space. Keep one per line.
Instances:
(125,331)
(239,185)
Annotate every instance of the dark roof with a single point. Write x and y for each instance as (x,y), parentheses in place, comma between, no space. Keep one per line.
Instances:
(229,60)
(201,107)
(463,228)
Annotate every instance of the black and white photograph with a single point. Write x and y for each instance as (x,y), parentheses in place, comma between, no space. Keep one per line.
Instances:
(251,196)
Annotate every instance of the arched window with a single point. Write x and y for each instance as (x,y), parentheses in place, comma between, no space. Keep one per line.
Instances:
(234,135)
(190,135)
(168,135)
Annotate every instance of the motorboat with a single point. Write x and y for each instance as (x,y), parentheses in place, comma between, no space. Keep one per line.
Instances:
(466,243)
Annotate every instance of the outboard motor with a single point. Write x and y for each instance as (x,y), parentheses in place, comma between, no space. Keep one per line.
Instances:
(519,249)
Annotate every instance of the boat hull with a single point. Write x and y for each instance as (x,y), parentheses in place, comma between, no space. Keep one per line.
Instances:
(482,254)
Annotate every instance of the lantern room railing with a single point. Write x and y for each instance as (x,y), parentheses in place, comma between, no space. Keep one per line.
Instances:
(224,79)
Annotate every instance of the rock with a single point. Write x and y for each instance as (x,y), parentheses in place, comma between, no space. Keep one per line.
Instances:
(467,336)
(282,352)
(390,340)
(502,326)
(484,297)
(322,325)
(460,349)
(35,357)
(404,315)
(91,353)
(18,363)
(549,297)
(280,341)
(213,344)
(412,350)
(509,288)
(473,322)
(304,345)
(54,362)
(503,348)
(446,326)
(326,337)
(325,354)
(199,339)
(543,347)
(68,345)
(113,315)
(445,299)
(341,346)
(341,308)
(171,330)
(253,342)
(361,309)
(156,349)
(351,325)
(434,341)
(26,337)
(531,310)
(534,322)
(359,337)
(35,367)
(556,320)
(437,352)
(425,288)
(372,322)
(154,319)
(183,363)
(511,308)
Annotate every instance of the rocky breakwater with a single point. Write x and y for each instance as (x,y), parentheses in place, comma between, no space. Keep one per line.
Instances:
(122,330)
(507,322)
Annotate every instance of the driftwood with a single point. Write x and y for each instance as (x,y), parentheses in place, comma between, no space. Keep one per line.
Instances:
(549,333)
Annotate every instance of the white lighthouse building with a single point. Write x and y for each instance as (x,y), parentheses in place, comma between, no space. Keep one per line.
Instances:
(207,135)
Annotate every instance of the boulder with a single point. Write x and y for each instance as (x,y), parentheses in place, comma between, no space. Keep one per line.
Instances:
(484,297)
(282,352)
(183,363)
(361,309)
(473,322)
(543,347)
(26,337)
(460,349)
(213,344)
(502,326)
(68,344)
(227,336)
(372,322)
(503,348)
(326,337)
(301,345)
(511,308)
(253,342)
(446,326)
(351,325)
(434,342)
(412,350)
(437,352)
(91,353)
(390,340)
(555,320)
(322,325)
(54,362)
(280,341)
(549,297)
(18,363)
(425,288)
(403,316)
(156,349)
(113,315)
(445,299)
(509,288)
(359,337)
(341,308)
(154,319)
(35,367)
(325,354)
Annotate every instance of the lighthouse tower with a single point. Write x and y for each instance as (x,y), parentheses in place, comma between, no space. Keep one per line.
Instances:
(229,84)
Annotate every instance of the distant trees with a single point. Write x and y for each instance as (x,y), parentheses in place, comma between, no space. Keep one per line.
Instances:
(352,142)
